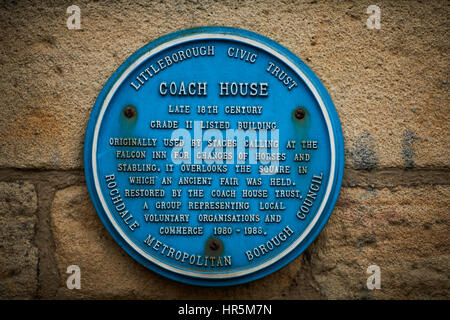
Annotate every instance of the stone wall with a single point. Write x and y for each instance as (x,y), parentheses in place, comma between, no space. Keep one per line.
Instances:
(390,88)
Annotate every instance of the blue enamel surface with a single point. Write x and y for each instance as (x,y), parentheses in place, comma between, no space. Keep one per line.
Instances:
(279,106)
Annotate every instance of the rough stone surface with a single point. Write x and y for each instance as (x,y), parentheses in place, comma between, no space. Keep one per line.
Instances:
(405,231)
(390,86)
(18,254)
(108,272)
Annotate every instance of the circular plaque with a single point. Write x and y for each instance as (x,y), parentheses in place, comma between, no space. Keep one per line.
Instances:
(214,156)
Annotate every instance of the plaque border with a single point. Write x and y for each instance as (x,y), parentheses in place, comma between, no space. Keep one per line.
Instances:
(334,131)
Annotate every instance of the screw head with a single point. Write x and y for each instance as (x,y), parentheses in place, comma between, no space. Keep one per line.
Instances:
(214,245)
(129,112)
(300,113)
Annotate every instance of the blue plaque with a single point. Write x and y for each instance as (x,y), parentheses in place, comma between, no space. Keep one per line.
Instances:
(214,156)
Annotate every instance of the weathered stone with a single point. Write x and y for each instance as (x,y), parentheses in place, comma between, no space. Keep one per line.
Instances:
(18,254)
(362,154)
(390,88)
(108,272)
(405,231)
(388,84)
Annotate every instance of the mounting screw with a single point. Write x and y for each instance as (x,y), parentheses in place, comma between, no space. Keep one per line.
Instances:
(300,113)
(129,112)
(214,245)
